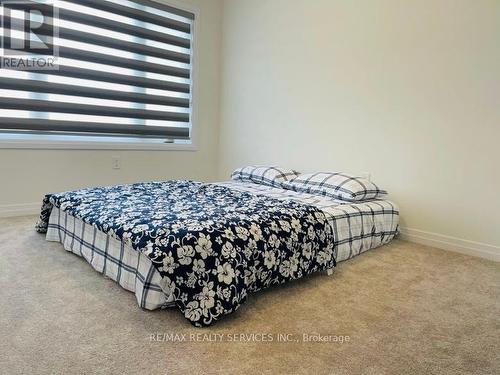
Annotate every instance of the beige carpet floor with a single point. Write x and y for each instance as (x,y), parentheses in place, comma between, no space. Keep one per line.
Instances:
(407,309)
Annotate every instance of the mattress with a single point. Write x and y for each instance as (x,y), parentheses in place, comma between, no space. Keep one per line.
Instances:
(357,227)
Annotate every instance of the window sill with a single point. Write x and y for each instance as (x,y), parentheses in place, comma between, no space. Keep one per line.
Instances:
(87,145)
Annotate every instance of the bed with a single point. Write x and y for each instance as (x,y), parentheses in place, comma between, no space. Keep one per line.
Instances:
(203,247)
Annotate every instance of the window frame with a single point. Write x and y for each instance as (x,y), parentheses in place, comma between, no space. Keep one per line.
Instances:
(79,144)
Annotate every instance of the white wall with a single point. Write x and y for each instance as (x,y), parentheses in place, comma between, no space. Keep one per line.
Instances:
(26,175)
(407,90)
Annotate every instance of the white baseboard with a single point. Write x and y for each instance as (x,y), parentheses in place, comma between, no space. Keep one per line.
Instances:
(449,243)
(11,210)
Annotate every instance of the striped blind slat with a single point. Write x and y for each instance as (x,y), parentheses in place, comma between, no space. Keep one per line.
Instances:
(107,24)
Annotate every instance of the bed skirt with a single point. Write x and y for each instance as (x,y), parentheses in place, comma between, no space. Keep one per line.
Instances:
(131,269)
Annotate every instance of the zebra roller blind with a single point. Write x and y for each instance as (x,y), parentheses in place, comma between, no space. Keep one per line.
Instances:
(124,69)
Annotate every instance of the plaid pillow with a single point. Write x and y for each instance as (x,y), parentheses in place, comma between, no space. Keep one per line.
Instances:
(264,175)
(335,185)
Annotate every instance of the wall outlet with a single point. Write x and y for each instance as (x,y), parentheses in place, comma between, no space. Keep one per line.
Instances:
(116,162)
(366,175)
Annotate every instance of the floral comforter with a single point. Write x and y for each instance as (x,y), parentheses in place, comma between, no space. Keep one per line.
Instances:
(212,244)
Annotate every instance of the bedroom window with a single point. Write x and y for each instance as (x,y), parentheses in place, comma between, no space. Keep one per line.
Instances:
(109,72)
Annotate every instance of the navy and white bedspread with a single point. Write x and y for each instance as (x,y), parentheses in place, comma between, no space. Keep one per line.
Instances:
(212,244)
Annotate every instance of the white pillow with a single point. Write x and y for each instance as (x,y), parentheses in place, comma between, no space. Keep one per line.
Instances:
(335,185)
(264,175)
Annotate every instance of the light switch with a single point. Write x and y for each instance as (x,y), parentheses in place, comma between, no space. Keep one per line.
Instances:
(116,162)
